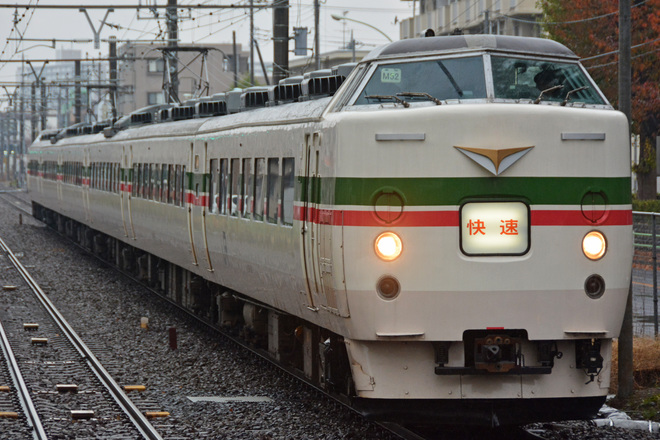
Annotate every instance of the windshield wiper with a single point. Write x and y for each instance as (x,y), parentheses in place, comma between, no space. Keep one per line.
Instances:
(551,89)
(451,79)
(390,97)
(568,95)
(420,95)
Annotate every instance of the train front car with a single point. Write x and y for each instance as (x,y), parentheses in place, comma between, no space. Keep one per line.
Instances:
(483,191)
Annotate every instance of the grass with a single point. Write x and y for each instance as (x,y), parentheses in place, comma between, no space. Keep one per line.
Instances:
(645,401)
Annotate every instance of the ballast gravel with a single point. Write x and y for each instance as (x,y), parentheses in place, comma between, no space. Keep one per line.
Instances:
(106,310)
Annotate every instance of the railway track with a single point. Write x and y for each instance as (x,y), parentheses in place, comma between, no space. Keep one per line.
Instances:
(56,377)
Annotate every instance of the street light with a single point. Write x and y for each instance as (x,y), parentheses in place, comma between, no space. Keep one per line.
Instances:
(341,17)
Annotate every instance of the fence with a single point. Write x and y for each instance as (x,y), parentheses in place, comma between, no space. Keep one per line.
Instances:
(645,273)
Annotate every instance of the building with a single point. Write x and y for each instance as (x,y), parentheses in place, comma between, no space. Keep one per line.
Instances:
(203,70)
(299,66)
(56,101)
(501,17)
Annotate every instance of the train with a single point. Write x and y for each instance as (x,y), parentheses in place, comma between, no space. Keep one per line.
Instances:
(440,233)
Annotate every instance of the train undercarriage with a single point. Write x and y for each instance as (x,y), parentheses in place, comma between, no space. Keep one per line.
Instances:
(311,353)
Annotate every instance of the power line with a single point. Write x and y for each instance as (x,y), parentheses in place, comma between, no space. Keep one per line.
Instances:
(584,20)
(617,62)
(617,51)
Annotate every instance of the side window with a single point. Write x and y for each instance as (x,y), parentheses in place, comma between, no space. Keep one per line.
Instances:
(223,192)
(213,187)
(246,189)
(288,181)
(170,184)
(155,179)
(177,189)
(235,186)
(182,194)
(137,177)
(146,191)
(273,190)
(163,183)
(259,188)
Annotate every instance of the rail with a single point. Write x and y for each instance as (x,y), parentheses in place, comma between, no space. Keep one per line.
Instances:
(139,420)
(22,391)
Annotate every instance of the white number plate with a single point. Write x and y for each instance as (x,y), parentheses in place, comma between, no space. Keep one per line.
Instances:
(495,228)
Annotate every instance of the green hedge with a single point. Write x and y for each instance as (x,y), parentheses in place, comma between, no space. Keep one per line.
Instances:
(646,205)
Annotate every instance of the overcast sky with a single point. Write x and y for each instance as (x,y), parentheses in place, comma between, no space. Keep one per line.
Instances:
(203,26)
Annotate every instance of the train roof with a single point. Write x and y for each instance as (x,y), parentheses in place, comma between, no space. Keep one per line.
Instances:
(462,43)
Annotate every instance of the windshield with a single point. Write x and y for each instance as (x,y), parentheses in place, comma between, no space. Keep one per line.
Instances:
(456,78)
(517,78)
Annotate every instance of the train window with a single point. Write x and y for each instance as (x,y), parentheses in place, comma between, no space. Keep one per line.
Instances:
(184,187)
(517,78)
(452,78)
(135,179)
(163,183)
(214,194)
(272,207)
(155,179)
(246,189)
(234,186)
(224,187)
(170,183)
(177,186)
(288,181)
(146,190)
(259,188)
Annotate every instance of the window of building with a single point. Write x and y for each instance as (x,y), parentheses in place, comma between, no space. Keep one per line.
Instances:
(155,98)
(156,65)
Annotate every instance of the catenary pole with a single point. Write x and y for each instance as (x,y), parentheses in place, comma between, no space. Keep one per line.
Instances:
(625,373)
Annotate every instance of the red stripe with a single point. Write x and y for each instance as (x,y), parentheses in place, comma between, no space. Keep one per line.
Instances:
(202,200)
(451,219)
(576,218)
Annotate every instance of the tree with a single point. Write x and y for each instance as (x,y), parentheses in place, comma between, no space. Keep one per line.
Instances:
(590,29)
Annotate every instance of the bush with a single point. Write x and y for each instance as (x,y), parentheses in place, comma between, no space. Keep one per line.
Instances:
(646,205)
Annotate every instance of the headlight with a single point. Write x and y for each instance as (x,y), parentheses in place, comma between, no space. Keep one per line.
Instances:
(594,245)
(388,246)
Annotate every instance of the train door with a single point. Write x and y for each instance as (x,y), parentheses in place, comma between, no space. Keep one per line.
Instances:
(197,202)
(317,228)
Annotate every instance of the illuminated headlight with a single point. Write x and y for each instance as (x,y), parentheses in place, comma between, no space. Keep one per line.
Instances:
(388,246)
(594,245)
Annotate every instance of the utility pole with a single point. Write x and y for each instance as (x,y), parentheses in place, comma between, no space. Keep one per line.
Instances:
(317,35)
(77,93)
(625,375)
(113,75)
(44,106)
(21,137)
(173,36)
(33,110)
(280,40)
(486,22)
(251,42)
(234,58)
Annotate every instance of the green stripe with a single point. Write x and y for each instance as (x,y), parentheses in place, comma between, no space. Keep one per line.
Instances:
(453,191)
